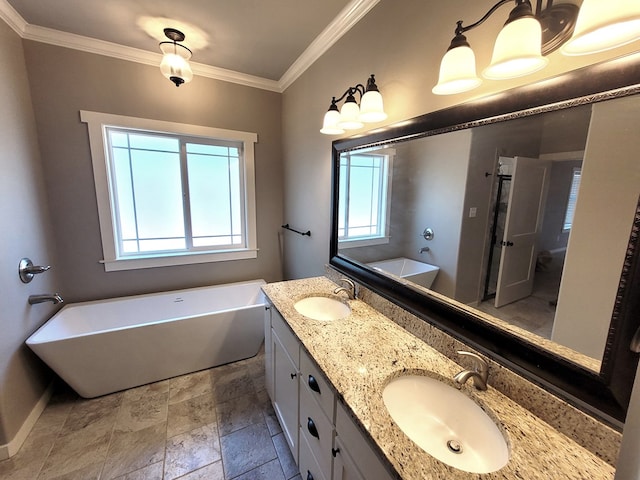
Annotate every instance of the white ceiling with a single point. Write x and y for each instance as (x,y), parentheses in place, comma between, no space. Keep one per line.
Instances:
(262,43)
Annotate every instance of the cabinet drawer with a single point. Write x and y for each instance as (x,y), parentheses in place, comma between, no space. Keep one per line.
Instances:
(363,455)
(309,468)
(317,384)
(317,428)
(286,336)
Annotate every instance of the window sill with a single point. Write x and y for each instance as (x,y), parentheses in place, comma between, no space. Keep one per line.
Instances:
(168,260)
(365,242)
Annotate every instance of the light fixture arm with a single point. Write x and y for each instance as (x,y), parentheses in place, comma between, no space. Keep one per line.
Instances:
(460,29)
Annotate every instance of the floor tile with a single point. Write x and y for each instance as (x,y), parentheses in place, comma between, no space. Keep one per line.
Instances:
(90,472)
(189,386)
(239,413)
(246,449)
(96,415)
(287,462)
(268,471)
(191,413)
(151,472)
(138,393)
(268,412)
(76,451)
(232,385)
(144,412)
(190,451)
(213,471)
(132,450)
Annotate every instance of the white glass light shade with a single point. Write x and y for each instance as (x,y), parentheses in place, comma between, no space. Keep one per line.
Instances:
(457,72)
(350,116)
(517,50)
(330,124)
(371,107)
(604,25)
(175,61)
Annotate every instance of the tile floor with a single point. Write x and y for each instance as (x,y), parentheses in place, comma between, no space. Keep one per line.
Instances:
(216,424)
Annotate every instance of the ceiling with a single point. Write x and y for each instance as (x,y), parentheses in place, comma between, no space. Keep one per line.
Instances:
(262,43)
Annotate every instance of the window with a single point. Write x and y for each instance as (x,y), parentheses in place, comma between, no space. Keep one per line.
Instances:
(171,194)
(573,197)
(365,194)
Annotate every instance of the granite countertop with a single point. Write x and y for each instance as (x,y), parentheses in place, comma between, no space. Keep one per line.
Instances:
(362,352)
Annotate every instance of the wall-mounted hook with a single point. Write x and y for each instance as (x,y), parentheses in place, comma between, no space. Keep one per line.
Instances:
(26,270)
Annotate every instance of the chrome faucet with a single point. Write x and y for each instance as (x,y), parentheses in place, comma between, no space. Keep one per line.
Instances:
(479,372)
(424,249)
(350,288)
(46,297)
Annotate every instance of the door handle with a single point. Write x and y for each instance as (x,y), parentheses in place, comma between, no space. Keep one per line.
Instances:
(506,244)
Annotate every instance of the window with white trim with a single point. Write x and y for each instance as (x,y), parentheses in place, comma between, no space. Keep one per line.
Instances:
(172,194)
(571,201)
(365,197)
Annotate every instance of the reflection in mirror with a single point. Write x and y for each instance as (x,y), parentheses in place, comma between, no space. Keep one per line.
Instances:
(530,217)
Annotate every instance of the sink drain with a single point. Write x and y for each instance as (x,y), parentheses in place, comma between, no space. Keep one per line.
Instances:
(454,446)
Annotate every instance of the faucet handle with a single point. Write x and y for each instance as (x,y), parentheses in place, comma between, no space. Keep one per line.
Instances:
(478,363)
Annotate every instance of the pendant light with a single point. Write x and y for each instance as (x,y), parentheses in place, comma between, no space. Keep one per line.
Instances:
(175,60)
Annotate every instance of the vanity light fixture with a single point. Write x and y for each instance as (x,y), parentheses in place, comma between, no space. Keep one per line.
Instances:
(352,115)
(519,49)
(604,25)
(526,38)
(175,61)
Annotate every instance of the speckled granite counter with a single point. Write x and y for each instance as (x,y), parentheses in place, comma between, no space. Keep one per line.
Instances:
(361,353)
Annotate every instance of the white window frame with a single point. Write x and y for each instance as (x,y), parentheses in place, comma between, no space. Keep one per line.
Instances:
(356,242)
(96,124)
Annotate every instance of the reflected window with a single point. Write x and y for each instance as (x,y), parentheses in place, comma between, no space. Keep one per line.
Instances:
(571,202)
(363,210)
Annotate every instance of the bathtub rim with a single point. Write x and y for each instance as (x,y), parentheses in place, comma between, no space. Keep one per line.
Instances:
(31,341)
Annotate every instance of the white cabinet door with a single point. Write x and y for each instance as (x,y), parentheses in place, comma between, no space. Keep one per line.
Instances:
(285,393)
(344,468)
(268,351)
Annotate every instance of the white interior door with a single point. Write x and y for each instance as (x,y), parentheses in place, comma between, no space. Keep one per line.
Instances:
(529,184)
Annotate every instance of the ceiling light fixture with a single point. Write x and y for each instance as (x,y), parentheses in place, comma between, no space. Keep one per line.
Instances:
(519,49)
(175,61)
(352,116)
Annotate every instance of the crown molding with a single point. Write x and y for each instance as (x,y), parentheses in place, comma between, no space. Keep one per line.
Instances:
(345,20)
(12,18)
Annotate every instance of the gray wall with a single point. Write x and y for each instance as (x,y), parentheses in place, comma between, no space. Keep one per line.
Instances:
(26,231)
(402,43)
(65,81)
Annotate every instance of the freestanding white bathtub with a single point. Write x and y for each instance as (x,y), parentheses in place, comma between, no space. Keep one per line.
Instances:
(109,345)
(420,273)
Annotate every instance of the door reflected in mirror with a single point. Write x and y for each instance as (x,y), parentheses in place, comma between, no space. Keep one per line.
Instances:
(530,217)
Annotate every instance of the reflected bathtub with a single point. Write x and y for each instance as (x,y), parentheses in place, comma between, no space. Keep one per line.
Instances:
(110,345)
(420,273)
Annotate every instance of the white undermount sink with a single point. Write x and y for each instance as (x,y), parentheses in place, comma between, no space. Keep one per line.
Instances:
(322,308)
(446,423)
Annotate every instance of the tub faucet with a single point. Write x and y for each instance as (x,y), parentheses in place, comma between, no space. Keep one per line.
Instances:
(424,249)
(350,288)
(46,297)
(479,372)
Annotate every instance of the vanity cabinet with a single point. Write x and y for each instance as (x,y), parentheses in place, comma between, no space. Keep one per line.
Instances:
(285,354)
(325,442)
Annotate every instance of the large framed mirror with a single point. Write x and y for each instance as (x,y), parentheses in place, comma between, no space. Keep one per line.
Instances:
(510,222)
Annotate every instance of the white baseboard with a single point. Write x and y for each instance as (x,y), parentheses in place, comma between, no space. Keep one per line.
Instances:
(11,448)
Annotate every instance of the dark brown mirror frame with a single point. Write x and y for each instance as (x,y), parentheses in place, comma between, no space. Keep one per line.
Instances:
(605,394)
